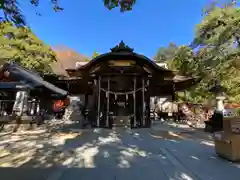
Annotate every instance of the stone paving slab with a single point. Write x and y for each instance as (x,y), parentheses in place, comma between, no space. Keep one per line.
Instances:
(201,159)
(25,173)
(116,155)
(170,126)
(170,130)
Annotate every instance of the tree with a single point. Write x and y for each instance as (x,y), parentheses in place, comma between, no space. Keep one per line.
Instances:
(220,32)
(95,54)
(20,45)
(12,12)
(216,56)
(183,61)
(165,53)
(220,26)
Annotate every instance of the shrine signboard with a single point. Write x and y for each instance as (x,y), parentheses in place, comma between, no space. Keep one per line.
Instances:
(121,63)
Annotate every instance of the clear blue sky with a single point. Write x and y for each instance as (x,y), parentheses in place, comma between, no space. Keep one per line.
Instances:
(87,26)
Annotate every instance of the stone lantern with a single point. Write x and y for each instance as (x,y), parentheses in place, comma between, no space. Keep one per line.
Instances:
(215,123)
(219,92)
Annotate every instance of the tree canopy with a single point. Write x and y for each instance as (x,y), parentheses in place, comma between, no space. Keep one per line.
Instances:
(165,53)
(13,13)
(20,45)
(214,54)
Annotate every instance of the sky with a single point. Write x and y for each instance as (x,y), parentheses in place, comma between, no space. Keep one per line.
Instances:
(87,26)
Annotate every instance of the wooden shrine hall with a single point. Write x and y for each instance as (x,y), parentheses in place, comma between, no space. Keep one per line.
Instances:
(118,85)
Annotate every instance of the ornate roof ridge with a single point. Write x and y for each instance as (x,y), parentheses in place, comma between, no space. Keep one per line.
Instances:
(122,47)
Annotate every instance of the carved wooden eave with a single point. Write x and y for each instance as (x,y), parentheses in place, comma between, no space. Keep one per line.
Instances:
(120,60)
(179,78)
(186,83)
(119,53)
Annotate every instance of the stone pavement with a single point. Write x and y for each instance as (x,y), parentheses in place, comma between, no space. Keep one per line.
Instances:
(177,131)
(170,126)
(119,154)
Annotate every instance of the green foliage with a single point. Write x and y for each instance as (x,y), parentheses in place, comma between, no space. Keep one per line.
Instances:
(20,45)
(165,53)
(183,60)
(12,12)
(125,5)
(216,56)
(95,54)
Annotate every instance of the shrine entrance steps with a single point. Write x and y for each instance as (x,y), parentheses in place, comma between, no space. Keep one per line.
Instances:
(121,121)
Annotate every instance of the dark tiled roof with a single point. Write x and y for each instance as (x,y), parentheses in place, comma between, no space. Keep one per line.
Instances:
(24,75)
(14,85)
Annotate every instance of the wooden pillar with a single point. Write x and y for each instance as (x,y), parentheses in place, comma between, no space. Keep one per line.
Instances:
(86,109)
(143,102)
(134,101)
(175,118)
(99,101)
(148,119)
(93,115)
(86,100)
(108,99)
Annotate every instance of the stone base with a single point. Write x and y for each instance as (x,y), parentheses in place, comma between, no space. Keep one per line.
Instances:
(74,116)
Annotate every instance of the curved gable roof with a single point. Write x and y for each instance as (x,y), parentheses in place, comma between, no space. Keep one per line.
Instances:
(122,52)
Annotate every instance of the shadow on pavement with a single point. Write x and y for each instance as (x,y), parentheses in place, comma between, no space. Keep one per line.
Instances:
(112,154)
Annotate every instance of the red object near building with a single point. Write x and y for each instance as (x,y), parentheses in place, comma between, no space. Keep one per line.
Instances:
(58,105)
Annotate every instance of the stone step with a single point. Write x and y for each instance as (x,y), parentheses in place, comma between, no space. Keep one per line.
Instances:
(121,121)
(121,125)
